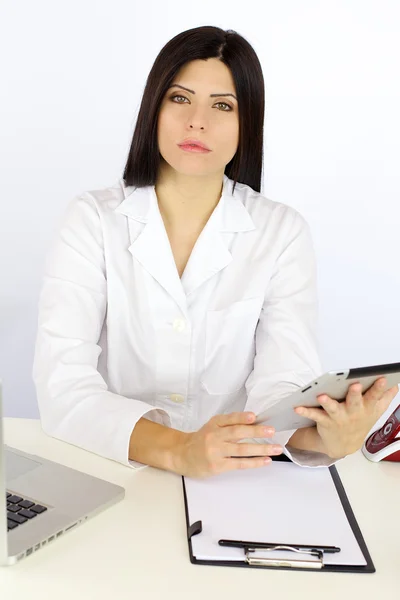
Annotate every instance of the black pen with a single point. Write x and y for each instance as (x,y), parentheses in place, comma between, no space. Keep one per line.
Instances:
(241,544)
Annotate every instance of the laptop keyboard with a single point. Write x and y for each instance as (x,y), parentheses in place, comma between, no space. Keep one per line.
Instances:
(20,511)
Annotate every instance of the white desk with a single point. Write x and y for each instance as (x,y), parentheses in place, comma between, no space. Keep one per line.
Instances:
(138,548)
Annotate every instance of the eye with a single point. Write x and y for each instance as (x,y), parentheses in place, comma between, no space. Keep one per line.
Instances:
(225,104)
(184,97)
(177,96)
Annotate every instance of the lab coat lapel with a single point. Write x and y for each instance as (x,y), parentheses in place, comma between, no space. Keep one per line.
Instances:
(211,254)
(150,244)
(151,247)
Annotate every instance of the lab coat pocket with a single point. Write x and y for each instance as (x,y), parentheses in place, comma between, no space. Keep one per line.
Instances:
(230,346)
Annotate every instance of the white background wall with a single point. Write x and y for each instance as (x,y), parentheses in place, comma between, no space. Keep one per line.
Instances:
(74,76)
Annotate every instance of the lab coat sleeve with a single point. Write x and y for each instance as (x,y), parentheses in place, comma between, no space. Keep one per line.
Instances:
(287,354)
(74,402)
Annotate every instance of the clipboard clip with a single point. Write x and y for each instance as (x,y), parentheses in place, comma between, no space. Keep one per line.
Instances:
(284,562)
(249,547)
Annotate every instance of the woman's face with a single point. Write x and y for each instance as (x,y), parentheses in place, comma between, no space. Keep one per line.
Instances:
(194,114)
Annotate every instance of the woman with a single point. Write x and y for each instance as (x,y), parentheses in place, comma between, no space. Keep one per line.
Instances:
(180,302)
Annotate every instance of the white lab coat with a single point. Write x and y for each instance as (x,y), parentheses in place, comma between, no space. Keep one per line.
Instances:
(121,335)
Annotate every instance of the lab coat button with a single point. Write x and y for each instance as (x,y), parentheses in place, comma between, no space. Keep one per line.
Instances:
(177,398)
(179,325)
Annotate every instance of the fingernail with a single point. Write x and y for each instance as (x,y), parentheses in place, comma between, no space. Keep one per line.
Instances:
(267,461)
(277,449)
(269,431)
(250,416)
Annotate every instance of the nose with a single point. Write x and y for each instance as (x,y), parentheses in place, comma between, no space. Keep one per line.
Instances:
(197,119)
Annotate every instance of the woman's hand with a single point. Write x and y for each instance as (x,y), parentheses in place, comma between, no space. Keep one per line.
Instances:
(215,447)
(343,426)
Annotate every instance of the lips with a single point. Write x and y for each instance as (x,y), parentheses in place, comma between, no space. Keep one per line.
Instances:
(194,149)
(193,143)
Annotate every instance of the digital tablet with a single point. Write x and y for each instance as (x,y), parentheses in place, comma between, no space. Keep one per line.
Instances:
(333,383)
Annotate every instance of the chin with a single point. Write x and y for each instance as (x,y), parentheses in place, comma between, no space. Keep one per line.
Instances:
(191,169)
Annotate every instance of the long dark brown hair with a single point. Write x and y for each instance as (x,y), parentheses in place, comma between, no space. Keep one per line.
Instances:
(238,55)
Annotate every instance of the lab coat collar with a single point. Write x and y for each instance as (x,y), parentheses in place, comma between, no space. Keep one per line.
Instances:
(151,247)
(139,201)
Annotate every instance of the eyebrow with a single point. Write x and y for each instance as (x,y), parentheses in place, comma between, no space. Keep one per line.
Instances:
(193,92)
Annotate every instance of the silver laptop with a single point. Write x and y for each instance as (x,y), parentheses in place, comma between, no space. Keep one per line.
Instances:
(41,500)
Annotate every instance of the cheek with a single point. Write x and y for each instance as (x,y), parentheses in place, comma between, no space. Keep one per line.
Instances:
(228,127)
(167,128)
(233,135)
(163,134)
(230,136)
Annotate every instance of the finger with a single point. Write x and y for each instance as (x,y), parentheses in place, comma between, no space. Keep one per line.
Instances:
(376,391)
(354,398)
(241,432)
(387,398)
(330,405)
(239,450)
(315,414)
(234,418)
(230,464)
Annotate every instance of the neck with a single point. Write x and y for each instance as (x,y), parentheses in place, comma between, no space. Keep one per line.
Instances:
(187,200)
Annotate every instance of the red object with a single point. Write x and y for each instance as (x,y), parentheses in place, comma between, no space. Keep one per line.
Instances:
(395,457)
(194,141)
(384,444)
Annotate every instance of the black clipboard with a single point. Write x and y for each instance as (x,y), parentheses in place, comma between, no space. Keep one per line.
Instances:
(196,528)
